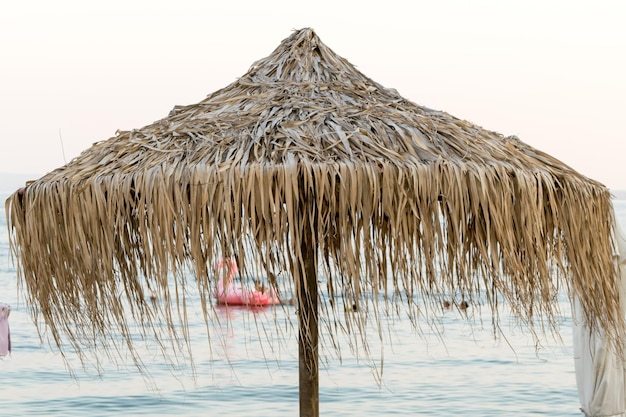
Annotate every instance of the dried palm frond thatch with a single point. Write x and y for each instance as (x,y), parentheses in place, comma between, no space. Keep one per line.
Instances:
(306,163)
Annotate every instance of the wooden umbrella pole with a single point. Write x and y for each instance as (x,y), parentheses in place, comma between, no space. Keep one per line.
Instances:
(308,318)
(308,342)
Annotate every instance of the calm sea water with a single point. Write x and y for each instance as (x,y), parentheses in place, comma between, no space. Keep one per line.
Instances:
(466,372)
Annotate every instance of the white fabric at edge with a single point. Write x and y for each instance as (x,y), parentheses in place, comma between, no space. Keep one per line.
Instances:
(600,371)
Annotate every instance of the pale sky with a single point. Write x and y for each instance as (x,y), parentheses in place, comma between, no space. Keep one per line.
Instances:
(552,72)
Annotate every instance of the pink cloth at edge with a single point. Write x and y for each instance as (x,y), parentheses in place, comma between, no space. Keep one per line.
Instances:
(5,332)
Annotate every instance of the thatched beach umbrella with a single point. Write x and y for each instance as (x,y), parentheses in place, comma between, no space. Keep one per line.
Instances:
(307,166)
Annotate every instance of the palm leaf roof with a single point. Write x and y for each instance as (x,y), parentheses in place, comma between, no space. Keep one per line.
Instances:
(403,202)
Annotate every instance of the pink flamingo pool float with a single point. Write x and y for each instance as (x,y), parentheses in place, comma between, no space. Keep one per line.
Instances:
(230,294)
